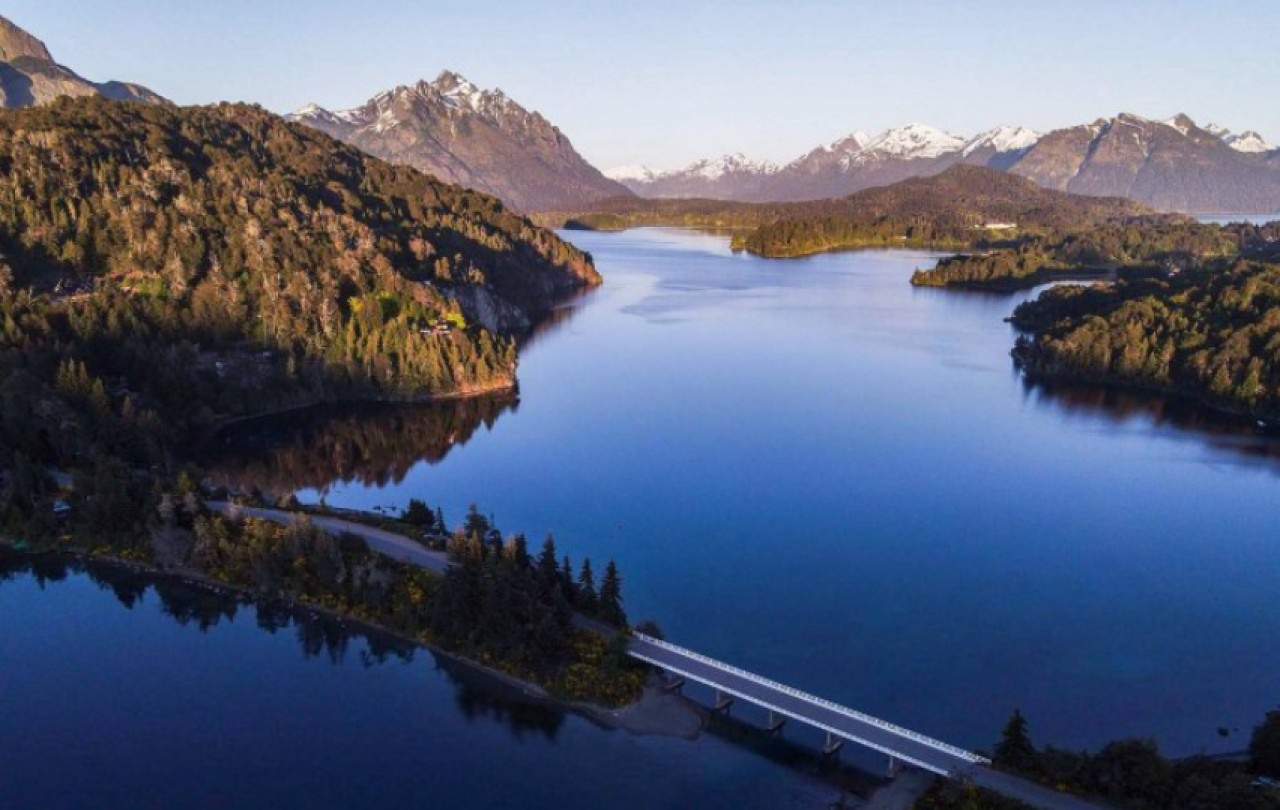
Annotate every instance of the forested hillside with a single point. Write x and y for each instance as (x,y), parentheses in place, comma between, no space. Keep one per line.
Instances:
(165,268)
(1211,334)
(963,206)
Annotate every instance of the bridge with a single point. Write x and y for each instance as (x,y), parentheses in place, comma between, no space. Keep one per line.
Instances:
(783,703)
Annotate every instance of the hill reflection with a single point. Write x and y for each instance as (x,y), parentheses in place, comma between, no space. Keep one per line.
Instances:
(373,445)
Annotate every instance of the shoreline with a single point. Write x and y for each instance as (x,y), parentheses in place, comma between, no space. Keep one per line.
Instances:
(217,425)
(655,713)
(1035,374)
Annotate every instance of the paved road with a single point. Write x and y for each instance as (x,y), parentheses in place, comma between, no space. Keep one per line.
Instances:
(906,746)
(894,741)
(390,544)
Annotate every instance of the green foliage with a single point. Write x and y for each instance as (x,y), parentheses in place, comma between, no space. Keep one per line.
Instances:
(1144,243)
(166,268)
(1211,334)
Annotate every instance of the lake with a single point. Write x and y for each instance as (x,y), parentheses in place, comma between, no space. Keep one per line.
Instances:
(807,468)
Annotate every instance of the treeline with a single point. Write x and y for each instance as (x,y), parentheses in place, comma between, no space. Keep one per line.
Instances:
(1150,244)
(1134,774)
(1212,334)
(496,604)
(962,207)
(163,269)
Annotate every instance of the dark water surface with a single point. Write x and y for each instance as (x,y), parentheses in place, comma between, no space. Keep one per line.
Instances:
(120,692)
(807,468)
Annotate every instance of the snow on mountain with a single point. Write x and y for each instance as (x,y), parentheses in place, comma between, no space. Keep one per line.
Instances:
(639,174)
(731,164)
(1002,139)
(912,141)
(1247,141)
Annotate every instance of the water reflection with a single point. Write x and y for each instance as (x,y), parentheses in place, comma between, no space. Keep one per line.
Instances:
(373,445)
(1179,415)
(204,607)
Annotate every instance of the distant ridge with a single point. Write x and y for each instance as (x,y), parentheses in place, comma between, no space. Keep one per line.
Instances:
(478,138)
(29,75)
(1173,165)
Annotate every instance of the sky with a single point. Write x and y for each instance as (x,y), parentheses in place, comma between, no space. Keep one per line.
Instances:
(664,82)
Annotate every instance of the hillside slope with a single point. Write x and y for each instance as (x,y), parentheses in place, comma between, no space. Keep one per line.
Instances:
(166,268)
(476,138)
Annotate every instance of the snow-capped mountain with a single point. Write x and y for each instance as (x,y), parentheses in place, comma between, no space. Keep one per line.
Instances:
(848,164)
(1172,164)
(911,142)
(472,136)
(1248,141)
(733,176)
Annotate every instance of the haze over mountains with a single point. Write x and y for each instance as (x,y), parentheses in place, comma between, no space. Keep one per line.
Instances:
(1172,165)
(29,75)
(478,138)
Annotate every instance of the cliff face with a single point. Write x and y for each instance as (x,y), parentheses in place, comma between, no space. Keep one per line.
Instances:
(1171,165)
(29,75)
(476,138)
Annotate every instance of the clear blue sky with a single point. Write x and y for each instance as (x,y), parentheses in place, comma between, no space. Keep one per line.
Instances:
(663,82)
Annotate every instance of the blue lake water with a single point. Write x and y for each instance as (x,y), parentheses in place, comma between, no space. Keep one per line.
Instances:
(807,468)
(117,695)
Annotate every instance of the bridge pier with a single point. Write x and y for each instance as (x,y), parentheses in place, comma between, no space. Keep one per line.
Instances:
(674,686)
(894,767)
(776,722)
(723,701)
(832,744)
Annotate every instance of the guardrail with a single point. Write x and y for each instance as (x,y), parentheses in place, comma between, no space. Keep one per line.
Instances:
(883,725)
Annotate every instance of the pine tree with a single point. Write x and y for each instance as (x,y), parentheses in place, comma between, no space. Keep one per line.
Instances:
(610,609)
(1015,750)
(548,568)
(587,599)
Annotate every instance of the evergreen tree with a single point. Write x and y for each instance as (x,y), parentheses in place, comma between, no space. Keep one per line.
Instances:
(1015,750)
(587,599)
(610,608)
(418,514)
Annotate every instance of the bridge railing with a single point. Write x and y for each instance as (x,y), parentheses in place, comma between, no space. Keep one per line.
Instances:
(937,745)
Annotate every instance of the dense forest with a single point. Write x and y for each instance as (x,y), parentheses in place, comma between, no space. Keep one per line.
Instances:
(496,604)
(1138,246)
(961,207)
(1213,334)
(164,269)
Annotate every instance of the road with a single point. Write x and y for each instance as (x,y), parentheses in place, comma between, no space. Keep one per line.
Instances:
(902,744)
(390,544)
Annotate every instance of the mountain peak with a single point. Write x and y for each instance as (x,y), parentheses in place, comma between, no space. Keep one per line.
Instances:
(1002,139)
(1248,141)
(914,141)
(16,43)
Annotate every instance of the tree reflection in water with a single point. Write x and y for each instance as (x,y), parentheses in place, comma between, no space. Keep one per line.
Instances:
(1217,430)
(479,696)
(374,445)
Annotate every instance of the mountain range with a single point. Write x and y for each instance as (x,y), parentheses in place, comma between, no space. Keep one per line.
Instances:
(29,75)
(478,138)
(1172,165)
